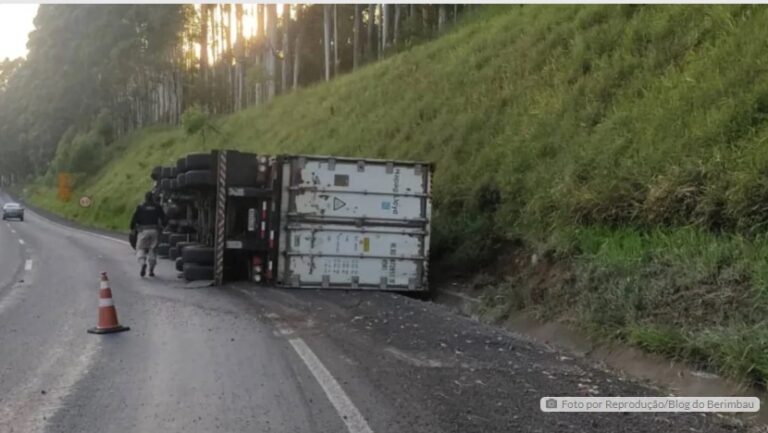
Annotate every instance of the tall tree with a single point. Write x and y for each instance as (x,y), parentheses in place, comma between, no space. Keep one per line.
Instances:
(442,17)
(384,27)
(259,53)
(297,46)
(327,40)
(396,27)
(370,46)
(286,49)
(335,40)
(239,53)
(214,29)
(270,52)
(226,11)
(204,42)
(356,38)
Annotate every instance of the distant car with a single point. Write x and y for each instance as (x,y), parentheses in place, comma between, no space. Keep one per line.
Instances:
(13,210)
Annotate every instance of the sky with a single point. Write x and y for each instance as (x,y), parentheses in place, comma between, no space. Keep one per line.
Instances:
(15,25)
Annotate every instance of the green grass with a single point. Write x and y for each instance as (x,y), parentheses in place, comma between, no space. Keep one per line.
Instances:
(625,143)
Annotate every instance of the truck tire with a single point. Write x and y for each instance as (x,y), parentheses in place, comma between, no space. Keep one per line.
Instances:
(162,250)
(199,161)
(156,173)
(181,180)
(163,238)
(166,172)
(175,238)
(174,252)
(181,246)
(198,254)
(173,225)
(179,264)
(173,212)
(195,178)
(165,184)
(181,165)
(174,185)
(195,272)
(185,229)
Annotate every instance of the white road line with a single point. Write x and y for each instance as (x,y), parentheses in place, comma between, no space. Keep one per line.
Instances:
(21,241)
(339,399)
(28,265)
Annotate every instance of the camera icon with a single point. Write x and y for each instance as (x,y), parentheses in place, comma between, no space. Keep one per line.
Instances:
(551,403)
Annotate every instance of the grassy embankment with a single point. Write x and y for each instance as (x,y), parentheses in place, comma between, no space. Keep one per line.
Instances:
(625,145)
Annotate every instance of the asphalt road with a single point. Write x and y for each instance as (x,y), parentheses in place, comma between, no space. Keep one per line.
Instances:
(248,359)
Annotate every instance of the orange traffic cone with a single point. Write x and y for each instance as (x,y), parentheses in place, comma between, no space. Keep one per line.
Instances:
(107,313)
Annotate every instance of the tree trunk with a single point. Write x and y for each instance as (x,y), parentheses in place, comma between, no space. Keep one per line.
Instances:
(384,27)
(239,54)
(382,24)
(396,30)
(179,96)
(335,41)
(414,20)
(259,51)
(369,49)
(271,59)
(327,40)
(204,44)
(297,47)
(213,101)
(356,39)
(286,60)
(214,38)
(229,57)
(442,17)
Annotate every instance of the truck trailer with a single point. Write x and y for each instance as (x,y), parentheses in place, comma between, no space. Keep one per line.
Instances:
(297,221)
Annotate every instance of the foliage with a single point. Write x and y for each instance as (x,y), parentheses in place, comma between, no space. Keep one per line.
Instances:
(193,120)
(85,62)
(105,127)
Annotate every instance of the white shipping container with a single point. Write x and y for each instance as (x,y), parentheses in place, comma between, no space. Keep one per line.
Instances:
(354,224)
(389,258)
(349,189)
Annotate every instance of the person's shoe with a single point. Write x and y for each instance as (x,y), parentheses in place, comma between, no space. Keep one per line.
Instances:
(143,270)
(151,272)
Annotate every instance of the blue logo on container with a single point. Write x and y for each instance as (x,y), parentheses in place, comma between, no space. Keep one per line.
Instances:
(385,205)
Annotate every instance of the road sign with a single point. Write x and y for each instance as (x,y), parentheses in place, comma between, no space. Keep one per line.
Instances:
(65,186)
(85,201)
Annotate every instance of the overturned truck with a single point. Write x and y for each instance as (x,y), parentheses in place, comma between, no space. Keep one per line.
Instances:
(297,221)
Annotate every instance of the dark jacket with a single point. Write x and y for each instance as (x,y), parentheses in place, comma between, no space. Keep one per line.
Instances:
(148,214)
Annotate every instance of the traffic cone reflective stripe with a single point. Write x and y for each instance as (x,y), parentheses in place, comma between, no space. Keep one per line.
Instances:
(107,313)
(106,303)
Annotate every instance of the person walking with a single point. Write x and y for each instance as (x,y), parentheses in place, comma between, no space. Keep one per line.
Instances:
(147,221)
